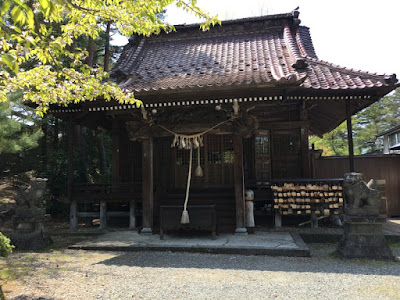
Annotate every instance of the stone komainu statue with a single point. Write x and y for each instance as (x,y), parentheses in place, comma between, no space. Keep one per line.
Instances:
(31,197)
(358,194)
(29,218)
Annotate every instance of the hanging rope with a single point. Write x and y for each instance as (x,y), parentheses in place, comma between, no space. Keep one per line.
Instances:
(190,141)
(196,134)
(185,213)
(199,171)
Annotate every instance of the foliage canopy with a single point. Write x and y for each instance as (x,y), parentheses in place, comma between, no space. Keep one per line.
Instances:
(57,70)
(15,136)
(378,117)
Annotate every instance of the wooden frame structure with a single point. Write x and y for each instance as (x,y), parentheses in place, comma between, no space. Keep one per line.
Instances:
(254,87)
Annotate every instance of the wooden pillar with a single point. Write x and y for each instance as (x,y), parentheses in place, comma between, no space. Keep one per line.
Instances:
(350,136)
(115,153)
(132,214)
(73,212)
(305,152)
(103,213)
(147,185)
(239,184)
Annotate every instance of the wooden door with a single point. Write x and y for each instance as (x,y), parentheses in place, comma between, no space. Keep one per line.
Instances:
(286,154)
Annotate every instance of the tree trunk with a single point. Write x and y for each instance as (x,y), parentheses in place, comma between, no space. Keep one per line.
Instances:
(91,49)
(107,48)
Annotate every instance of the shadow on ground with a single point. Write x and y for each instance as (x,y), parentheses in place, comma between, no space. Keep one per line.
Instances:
(323,260)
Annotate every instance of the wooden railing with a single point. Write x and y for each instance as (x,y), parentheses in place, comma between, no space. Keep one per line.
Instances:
(89,192)
(92,201)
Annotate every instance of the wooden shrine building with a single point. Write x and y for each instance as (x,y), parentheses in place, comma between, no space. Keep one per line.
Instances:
(243,96)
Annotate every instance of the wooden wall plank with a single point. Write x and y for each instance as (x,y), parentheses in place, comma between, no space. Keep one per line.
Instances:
(372,167)
(147,184)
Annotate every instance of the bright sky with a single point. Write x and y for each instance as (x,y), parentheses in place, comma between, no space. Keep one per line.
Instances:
(359,34)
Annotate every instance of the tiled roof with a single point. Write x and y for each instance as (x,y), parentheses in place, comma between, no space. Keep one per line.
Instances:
(264,51)
(391,130)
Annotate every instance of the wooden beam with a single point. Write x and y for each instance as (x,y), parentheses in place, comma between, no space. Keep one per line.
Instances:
(281,124)
(147,185)
(239,184)
(88,214)
(350,136)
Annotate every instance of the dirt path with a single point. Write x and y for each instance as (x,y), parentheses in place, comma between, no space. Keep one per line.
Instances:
(69,274)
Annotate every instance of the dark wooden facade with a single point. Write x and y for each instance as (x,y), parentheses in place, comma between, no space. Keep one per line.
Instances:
(254,87)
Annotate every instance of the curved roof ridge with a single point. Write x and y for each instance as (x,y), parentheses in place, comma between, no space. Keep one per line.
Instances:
(304,41)
(389,78)
(292,14)
(288,37)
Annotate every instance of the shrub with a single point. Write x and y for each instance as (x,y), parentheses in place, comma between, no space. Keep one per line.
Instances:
(5,246)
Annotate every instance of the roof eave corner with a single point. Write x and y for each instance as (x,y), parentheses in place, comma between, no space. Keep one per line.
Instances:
(296,20)
(392,79)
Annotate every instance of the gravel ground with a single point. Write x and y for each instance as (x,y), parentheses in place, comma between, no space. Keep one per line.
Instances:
(71,274)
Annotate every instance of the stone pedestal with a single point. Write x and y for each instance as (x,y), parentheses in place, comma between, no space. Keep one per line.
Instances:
(363,238)
(249,211)
(29,230)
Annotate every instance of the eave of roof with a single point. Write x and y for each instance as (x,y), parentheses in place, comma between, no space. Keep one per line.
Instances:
(266,60)
(262,51)
(391,130)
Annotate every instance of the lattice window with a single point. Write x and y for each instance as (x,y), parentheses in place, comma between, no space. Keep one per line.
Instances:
(262,156)
(286,153)
(219,149)
(182,156)
(216,160)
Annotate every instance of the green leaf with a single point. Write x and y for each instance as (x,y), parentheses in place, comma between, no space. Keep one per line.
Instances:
(18,16)
(10,61)
(30,18)
(44,3)
(17,29)
(5,8)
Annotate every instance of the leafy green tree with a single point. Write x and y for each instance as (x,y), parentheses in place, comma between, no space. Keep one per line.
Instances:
(378,117)
(28,34)
(15,136)
(333,142)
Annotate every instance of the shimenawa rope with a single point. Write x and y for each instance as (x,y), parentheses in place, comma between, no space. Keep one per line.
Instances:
(188,141)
